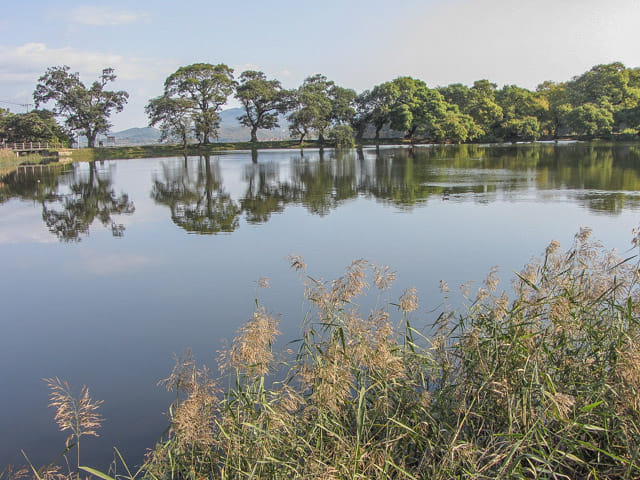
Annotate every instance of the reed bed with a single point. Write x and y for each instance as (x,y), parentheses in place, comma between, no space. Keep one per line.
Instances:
(542,382)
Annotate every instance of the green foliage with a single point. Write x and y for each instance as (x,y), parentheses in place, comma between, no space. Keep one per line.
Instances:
(85,109)
(317,105)
(203,89)
(342,136)
(35,126)
(523,129)
(418,108)
(591,120)
(262,100)
(553,119)
(173,116)
(362,115)
(479,102)
(456,127)
(454,113)
(382,101)
(608,83)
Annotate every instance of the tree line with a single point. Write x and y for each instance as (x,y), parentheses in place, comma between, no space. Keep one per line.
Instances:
(601,102)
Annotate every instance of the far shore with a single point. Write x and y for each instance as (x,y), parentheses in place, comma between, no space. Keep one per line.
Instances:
(11,162)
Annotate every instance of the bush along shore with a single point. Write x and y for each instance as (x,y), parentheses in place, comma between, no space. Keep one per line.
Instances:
(542,382)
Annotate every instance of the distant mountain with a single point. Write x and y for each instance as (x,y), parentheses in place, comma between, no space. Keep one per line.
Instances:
(230,131)
(137,136)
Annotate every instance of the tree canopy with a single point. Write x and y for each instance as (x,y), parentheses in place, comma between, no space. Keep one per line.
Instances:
(319,104)
(203,88)
(35,126)
(85,109)
(601,102)
(173,116)
(262,100)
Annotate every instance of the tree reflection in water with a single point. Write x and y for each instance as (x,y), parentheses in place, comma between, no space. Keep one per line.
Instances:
(197,199)
(604,179)
(71,199)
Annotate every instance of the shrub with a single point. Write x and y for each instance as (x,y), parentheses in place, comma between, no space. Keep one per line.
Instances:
(342,136)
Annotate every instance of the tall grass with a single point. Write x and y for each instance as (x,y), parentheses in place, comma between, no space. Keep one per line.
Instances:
(543,383)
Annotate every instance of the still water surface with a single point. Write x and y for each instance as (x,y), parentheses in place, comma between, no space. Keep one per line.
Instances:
(109,268)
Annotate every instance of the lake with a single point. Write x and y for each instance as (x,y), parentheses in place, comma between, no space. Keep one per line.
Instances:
(109,268)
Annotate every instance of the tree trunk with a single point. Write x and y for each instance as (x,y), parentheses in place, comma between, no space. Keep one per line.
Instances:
(254,135)
(91,138)
(409,135)
(320,138)
(377,137)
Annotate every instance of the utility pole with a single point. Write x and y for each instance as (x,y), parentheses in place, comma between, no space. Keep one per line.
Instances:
(25,105)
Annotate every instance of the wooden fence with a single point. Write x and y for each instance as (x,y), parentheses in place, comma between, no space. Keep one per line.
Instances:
(30,146)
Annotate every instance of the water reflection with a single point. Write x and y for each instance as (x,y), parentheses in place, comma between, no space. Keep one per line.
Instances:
(604,179)
(71,198)
(265,195)
(196,197)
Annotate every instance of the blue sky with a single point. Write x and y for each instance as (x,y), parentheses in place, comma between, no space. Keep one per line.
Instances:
(356,43)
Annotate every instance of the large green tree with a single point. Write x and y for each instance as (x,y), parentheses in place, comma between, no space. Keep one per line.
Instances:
(554,118)
(455,126)
(205,89)
(418,109)
(362,117)
(383,100)
(319,104)
(173,116)
(521,109)
(591,120)
(478,101)
(262,100)
(85,109)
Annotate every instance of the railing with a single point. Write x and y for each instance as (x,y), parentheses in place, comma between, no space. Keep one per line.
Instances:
(30,146)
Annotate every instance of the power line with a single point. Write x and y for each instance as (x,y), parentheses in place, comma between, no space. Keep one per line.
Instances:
(25,105)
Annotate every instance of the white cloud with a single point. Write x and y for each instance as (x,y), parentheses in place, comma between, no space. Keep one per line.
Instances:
(97,15)
(22,65)
(25,63)
(21,223)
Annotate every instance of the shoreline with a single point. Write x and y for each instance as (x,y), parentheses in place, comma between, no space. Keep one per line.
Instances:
(8,164)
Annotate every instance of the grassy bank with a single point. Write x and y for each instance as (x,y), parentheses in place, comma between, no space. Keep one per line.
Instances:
(9,161)
(542,384)
(163,150)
